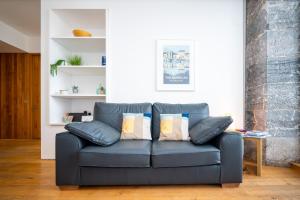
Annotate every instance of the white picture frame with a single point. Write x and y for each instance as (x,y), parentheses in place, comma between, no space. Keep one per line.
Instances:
(175,67)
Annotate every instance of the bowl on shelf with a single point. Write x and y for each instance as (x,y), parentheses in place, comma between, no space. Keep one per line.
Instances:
(81,33)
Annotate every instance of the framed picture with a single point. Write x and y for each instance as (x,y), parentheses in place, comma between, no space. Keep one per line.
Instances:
(175,65)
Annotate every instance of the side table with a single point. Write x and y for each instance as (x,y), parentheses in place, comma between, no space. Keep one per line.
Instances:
(258,163)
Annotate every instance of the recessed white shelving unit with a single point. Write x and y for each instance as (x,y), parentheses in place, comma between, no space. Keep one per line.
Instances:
(88,76)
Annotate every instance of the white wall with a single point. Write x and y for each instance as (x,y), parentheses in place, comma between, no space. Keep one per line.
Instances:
(13,37)
(18,39)
(34,45)
(216,26)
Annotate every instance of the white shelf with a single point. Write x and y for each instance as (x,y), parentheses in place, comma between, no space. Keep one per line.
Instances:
(83,70)
(82,44)
(78,96)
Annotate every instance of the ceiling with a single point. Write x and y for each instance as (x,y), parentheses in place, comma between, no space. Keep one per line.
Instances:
(22,15)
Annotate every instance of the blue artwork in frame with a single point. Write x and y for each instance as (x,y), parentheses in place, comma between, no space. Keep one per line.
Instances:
(175,65)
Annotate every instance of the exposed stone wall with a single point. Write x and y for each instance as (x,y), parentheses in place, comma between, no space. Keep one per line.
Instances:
(273,77)
(255,70)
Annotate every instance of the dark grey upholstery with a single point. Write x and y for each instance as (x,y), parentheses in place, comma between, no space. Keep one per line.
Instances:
(150,176)
(78,162)
(95,131)
(208,128)
(112,113)
(125,153)
(196,112)
(183,154)
(232,149)
(67,147)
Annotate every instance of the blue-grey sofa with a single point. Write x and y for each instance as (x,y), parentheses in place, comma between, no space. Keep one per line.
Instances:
(144,162)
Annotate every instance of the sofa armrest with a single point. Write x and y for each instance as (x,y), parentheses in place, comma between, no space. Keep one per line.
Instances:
(67,147)
(232,149)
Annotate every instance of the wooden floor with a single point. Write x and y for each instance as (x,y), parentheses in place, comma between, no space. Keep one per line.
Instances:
(24,176)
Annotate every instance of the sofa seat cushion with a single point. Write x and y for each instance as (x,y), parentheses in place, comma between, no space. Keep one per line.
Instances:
(125,153)
(183,154)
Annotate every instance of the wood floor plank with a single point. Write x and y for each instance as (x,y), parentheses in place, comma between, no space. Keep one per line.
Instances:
(24,176)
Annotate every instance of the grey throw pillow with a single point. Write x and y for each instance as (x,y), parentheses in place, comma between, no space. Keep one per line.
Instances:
(209,128)
(95,131)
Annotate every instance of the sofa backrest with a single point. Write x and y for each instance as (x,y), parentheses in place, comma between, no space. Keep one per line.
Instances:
(196,112)
(112,113)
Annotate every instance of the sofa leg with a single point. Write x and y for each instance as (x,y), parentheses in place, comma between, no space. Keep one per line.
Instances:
(230,185)
(68,187)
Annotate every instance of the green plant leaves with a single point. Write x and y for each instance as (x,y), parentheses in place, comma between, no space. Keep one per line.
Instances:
(53,67)
(75,60)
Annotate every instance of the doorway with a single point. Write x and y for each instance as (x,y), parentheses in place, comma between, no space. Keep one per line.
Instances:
(20,102)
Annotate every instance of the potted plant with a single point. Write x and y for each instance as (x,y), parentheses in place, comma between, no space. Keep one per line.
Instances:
(75,60)
(100,89)
(53,67)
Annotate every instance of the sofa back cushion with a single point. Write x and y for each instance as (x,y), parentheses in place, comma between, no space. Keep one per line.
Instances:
(196,112)
(112,113)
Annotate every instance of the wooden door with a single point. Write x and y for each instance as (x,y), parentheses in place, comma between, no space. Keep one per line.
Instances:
(20,102)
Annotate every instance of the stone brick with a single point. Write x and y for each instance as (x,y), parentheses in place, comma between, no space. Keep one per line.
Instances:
(255,97)
(283,15)
(256,23)
(256,51)
(283,43)
(284,96)
(283,115)
(256,74)
(253,7)
(284,132)
(282,72)
(280,151)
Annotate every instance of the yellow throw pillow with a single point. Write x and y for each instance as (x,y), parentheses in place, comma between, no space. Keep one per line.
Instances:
(174,126)
(136,126)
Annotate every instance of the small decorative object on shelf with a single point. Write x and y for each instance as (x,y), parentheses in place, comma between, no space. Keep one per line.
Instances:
(76,116)
(63,92)
(241,130)
(53,67)
(103,60)
(81,33)
(87,117)
(74,60)
(100,89)
(67,118)
(256,134)
(75,89)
